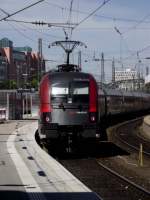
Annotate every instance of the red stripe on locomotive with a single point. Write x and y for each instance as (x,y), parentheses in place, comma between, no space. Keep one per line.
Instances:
(93,96)
(45,95)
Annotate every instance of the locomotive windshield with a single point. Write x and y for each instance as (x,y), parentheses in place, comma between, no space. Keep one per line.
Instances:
(78,91)
(60,89)
(59,92)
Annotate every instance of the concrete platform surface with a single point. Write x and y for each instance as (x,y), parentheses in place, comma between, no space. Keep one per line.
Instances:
(146,127)
(28,172)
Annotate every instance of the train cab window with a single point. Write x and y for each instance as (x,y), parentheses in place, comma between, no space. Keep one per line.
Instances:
(73,92)
(80,92)
(59,92)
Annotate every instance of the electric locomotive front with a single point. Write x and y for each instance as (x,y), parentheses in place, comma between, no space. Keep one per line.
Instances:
(68,106)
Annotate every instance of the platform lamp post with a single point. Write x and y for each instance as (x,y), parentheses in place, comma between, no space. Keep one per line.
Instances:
(18,75)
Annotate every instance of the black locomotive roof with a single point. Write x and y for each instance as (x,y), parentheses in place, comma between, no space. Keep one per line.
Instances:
(66,76)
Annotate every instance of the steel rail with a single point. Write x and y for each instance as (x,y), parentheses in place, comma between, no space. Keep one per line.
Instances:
(125,142)
(124,178)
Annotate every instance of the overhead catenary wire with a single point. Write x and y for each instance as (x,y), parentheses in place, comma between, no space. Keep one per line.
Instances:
(66,25)
(4,11)
(83,12)
(27,28)
(139,51)
(97,15)
(54,4)
(121,31)
(79,29)
(10,15)
(92,13)
(135,26)
(28,37)
(70,12)
(50,24)
(21,33)
(23,26)
(69,18)
(125,58)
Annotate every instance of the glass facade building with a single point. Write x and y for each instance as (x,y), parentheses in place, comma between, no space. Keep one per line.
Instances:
(5,42)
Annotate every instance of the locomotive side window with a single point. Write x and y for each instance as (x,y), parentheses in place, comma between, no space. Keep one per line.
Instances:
(80,92)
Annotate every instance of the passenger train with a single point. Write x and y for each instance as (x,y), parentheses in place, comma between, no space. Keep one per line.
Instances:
(73,106)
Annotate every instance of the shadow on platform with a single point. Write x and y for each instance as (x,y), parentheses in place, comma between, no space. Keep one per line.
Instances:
(18,195)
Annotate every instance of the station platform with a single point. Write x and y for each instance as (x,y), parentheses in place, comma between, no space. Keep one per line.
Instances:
(28,172)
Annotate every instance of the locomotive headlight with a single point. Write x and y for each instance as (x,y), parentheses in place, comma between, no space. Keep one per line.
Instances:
(93,117)
(47,119)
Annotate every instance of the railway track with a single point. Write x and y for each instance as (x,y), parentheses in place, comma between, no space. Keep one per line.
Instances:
(99,167)
(97,172)
(132,138)
(104,181)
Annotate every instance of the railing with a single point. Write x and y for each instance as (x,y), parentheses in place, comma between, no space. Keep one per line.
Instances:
(16,105)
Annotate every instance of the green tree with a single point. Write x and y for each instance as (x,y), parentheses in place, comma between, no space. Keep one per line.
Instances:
(4,84)
(12,84)
(34,83)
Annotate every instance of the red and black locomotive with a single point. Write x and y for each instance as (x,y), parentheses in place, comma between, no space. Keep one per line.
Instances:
(68,105)
(73,106)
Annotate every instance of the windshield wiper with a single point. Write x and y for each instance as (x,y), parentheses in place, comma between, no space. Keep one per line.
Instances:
(61,105)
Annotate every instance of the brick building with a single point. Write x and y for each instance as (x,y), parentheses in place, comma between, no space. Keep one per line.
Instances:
(19,64)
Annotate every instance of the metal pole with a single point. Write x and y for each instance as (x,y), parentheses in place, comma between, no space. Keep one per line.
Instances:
(23,107)
(113,71)
(26,105)
(31,103)
(68,56)
(79,60)
(7,106)
(18,76)
(147,71)
(102,68)
(40,60)
(141,156)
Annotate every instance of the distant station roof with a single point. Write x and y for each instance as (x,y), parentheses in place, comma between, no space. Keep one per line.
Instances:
(23,49)
(147,79)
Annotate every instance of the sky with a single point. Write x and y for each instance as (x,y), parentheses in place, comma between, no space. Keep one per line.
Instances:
(120,29)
